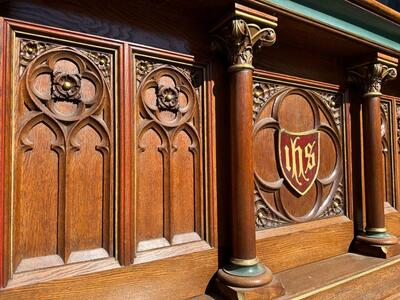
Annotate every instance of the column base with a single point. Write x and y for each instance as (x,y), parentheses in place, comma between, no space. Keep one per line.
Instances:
(382,245)
(248,282)
(272,290)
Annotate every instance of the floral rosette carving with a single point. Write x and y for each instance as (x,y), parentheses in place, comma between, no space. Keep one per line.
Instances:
(29,50)
(167,96)
(64,86)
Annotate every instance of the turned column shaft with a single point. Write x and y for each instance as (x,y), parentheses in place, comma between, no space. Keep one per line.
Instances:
(242,181)
(373,164)
(369,77)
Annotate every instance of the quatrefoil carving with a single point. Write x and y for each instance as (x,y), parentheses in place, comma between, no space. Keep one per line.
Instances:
(64,86)
(167,97)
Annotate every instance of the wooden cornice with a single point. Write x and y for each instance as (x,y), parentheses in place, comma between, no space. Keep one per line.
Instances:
(378,8)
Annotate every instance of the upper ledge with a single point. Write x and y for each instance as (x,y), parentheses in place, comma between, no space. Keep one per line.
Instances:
(346,17)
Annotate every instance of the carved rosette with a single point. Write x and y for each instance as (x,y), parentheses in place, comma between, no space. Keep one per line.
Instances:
(329,190)
(29,50)
(66,87)
(102,61)
(239,39)
(168,98)
(370,77)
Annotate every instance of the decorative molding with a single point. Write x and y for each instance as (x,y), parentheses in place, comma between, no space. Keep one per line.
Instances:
(329,103)
(370,77)
(239,40)
(398,125)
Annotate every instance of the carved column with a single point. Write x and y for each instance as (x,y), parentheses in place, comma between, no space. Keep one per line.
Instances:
(369,78)
(239,39)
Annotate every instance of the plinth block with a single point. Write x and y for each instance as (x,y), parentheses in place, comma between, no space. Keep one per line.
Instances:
(363,245)
(270,291)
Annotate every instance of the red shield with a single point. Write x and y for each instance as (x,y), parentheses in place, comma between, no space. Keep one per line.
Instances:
(299,158)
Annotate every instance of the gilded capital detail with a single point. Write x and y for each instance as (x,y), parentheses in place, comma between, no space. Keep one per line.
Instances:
(239,39)
(370,77)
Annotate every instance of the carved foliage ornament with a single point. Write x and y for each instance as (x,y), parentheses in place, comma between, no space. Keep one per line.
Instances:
(240,39)
(370,77)
(30,50)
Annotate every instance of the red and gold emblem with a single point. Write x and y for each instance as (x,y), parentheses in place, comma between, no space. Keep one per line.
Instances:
(299,158)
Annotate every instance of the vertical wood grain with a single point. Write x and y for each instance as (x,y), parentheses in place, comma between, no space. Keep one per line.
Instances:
(85,213)
(2,147)
(36,205)
(183,188)
(150,205)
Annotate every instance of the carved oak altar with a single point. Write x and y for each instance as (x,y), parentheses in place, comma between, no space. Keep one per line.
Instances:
(184,149)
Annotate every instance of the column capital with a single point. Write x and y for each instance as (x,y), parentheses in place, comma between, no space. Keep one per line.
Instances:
(239,35)
(371,75)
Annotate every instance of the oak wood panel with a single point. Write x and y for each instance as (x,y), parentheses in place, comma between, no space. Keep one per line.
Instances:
(291,246)
(172,278)
(170,129)
(64,152)
(88,246)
